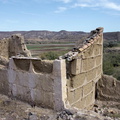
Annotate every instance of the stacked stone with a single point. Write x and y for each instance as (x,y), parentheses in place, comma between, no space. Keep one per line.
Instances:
(85,71)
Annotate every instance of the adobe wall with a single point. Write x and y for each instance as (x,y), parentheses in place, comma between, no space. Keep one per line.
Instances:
(31,80)
(67,81)
(13,46)
(4,48)
(84,70)
(38,82)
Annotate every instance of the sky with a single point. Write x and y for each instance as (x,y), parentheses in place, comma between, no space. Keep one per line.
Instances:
(56,15)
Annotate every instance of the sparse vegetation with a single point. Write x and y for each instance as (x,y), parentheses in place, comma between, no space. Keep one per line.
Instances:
(111,60)
(52,55)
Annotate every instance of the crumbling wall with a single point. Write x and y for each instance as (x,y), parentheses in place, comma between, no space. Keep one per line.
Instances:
(29,83)
(84,70)
(12,46)
(4,48)
(67,81)
(108,89)
(17,46)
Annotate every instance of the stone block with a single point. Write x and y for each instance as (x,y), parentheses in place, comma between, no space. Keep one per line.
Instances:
(90,99)
(101,49)
(70,96)
(76,66)
(91,63)
(98,60)
(97,78)
(99,70)
(96,50)
(100,40)
(88,52)
(74,95)
(78,94)
(91,75)
(79,80)
(87,88)
(84,65)
(81,104)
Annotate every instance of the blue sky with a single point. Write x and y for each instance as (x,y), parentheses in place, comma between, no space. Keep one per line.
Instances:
(56,15)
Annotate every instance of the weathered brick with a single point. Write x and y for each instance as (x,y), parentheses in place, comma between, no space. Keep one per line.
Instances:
(100,40)
(91,63)
(88,52)
(78,94)
(75,95)
(84,65)
(90,99)
(76,66)
(81,104)
(87,88)
(70,97)
(79,80)
(99,70)
(96,49)
(98,60)
(101,49)
(91,75)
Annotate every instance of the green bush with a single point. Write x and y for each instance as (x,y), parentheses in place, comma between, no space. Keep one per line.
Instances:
(52,55)
(111,64)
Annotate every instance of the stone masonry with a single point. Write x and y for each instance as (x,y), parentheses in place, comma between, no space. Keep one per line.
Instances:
(65,82)
(85,69)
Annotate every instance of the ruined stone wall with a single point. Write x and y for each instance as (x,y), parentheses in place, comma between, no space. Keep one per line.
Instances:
(13,46)
(17,46)
(54,84)
(31,80)
(4,48)
(85,71)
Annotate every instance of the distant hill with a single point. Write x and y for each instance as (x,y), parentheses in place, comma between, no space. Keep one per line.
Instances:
(62,35)
(47,35)
(112,36)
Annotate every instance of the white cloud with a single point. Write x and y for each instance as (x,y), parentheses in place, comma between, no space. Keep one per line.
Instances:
(60,9)
(112,5)
(99,3)
(64,1)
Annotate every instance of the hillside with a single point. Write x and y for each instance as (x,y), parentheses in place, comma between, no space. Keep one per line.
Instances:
(58,36)
(47,35)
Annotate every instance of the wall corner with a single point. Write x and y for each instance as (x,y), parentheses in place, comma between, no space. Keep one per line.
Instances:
(60,81)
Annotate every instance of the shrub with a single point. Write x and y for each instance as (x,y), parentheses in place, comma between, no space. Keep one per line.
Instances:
(111,64)
(52,55)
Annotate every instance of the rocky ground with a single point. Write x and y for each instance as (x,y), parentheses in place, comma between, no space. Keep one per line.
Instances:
(11,109)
